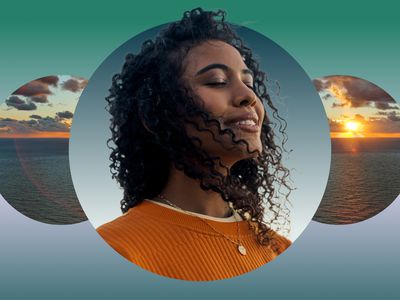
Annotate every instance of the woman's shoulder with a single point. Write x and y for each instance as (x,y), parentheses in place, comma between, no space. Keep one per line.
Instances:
(120,233)
(133,218)
(129,220)
(117,224)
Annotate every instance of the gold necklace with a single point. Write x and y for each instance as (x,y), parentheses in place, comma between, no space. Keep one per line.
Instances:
(242,250)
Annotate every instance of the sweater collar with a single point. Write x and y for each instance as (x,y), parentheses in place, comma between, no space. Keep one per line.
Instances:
(194,222)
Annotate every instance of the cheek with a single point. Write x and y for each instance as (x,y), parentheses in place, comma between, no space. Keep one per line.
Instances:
(214,102)
(261,110)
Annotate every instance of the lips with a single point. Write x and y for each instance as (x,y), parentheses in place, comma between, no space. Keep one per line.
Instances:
(247,122)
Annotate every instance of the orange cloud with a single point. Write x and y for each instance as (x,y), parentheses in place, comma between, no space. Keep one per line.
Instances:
(343,135)
(36,135)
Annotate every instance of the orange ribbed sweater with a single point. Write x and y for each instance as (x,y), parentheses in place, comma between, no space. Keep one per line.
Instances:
(182,246)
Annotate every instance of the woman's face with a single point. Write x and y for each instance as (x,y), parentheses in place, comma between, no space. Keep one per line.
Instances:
(217,75)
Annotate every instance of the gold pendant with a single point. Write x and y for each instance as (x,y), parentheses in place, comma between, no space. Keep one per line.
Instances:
(242,250)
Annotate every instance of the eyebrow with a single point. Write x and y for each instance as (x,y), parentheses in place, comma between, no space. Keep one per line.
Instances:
(222,67)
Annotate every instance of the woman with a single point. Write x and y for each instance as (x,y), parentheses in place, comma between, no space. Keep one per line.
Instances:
(194,152)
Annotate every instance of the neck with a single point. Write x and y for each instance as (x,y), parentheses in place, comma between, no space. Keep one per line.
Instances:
(186,193)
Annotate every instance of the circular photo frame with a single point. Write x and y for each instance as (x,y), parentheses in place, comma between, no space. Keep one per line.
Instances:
(286,167)
(364,122)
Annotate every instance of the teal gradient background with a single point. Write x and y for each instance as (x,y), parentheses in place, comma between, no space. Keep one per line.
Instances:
(360,261)
(40,261)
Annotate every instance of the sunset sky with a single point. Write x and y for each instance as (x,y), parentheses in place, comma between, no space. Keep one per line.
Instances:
(358,108)
(42,108)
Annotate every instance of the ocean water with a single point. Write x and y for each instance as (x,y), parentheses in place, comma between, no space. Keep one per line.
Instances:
(364,179)
(35,179)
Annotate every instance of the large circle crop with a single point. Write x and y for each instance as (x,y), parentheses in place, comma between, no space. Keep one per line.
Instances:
(291,90)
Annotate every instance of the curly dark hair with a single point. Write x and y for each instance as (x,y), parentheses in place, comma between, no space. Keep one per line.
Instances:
(150,108)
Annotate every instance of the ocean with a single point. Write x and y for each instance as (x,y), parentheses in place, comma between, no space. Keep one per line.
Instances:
(35,179)
(364,179)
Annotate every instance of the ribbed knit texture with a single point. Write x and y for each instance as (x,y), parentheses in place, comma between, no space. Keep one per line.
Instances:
(181,246)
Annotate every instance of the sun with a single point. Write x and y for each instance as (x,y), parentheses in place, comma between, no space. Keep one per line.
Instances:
(352,126)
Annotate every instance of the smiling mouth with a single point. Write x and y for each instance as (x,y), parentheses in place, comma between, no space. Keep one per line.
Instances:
(246,123)
(247,126)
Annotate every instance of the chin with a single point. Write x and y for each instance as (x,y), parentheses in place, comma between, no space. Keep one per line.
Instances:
(241,153)
(231,153)
(256,154)
(254,146)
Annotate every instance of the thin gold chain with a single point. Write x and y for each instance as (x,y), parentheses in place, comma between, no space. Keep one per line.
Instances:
(162,197)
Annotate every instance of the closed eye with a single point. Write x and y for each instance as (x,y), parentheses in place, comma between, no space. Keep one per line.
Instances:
(249,85)
(216,83)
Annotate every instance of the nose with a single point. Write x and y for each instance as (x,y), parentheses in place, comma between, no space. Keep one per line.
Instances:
(244,96)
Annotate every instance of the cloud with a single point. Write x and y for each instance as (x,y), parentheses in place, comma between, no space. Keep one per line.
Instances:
(13,126)
(34,125)
(327,96)
(20,104)
(391,124)
(8,120)
(335,126)
(33,88)
(45,124)
(38,90)
(385,106)
(383,113)
(74,84)
(4,128)
(359,118)
(39,99)
(65,115)
(338,105)
(392,116)
(384,122)
(30,122)
(49,80)
(50,124)
(353,92)
(320,84)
